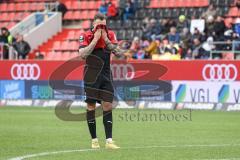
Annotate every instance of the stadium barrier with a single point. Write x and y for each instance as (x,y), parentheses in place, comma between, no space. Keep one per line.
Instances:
(210,85)
(234,53)
(38,27)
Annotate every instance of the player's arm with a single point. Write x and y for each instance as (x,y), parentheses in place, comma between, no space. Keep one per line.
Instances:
(111,46)
(86,51)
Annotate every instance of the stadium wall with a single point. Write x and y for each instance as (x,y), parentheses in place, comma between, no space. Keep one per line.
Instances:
(149,84)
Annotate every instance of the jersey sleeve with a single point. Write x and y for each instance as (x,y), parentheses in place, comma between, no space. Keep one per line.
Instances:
(113,37)
(83,40)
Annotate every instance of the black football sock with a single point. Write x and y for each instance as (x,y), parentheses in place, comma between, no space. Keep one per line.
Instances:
(107,122)
(91,121)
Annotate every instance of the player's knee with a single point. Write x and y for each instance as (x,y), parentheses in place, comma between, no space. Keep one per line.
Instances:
(107,106)
(91,106)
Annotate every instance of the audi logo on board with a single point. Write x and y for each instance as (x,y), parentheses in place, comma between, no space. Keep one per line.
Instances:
(220,72)
(25,72)
(122,72)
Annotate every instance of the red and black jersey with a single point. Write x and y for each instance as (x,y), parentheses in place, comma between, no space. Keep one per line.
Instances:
(100,50)
(86,38)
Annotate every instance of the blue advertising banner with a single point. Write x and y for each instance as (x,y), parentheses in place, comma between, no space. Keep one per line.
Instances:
(42,90)
(143,90)
(38,90)
(66,93)
(12,89)
(124,90)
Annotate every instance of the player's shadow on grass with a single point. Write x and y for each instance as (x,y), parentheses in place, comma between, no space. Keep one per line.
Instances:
(57,83)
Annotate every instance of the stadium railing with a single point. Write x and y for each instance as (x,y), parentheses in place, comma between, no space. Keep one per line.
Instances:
(233,47)
(39,27)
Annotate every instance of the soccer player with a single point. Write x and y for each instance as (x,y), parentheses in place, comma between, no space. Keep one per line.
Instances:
(96,46)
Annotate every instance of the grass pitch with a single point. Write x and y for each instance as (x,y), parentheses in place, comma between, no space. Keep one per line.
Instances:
(201,135)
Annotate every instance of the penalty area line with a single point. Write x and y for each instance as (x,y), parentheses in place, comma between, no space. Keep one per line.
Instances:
(144,147)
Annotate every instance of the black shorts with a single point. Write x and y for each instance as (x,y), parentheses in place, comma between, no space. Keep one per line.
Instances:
(98,87)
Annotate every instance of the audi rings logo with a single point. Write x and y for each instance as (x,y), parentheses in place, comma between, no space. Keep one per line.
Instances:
(122,72)
(220,72)
(25,71)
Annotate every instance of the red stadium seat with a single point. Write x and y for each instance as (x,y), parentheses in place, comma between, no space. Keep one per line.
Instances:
(40,7)
(76,15)
(65,56)
(69,5)
(74,46)
(68,16)
(91,5)
(71,35)
(75,5)
(3,7)
(11,16)
(11,7)
(18,16)
(25,14)
(65,46)
(20,6)
(4,17)
(91,14)
(85,24)
(57,45)
(83,5)
(84,15)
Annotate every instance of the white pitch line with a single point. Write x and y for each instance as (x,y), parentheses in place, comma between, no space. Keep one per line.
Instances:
(146,147)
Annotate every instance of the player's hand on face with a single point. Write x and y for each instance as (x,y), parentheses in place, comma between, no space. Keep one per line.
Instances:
(104,35)
(98,34)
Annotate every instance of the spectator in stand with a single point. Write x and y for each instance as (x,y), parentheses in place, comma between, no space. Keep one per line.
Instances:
(172,48)
(185,37)
(228,47)
(112,10)
(6,39)
(103,8)
(164,26)
(211,11)
(170,23)
(163,47)
(182,23)
(145,23)
(198,51)
(152,29)
(140,54)
(208,46)
(209,29)
(22,47)
(237,26)
(61,7)
(197,35)
(173,36)
(128,11)
(136,44)
(219,28)
(152,49)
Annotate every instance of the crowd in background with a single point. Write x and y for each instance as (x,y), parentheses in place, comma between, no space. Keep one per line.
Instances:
(172,39)
(13,47)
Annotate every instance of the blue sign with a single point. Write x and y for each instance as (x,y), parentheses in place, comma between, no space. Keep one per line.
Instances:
(143,90)
(42,90)
(38,90)
(12,89)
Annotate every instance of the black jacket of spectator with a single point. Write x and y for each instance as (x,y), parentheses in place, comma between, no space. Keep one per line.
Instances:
(219,28)
(61,8)
(22,49)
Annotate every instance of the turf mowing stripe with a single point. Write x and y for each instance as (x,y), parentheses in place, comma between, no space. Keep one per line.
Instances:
(146,147)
